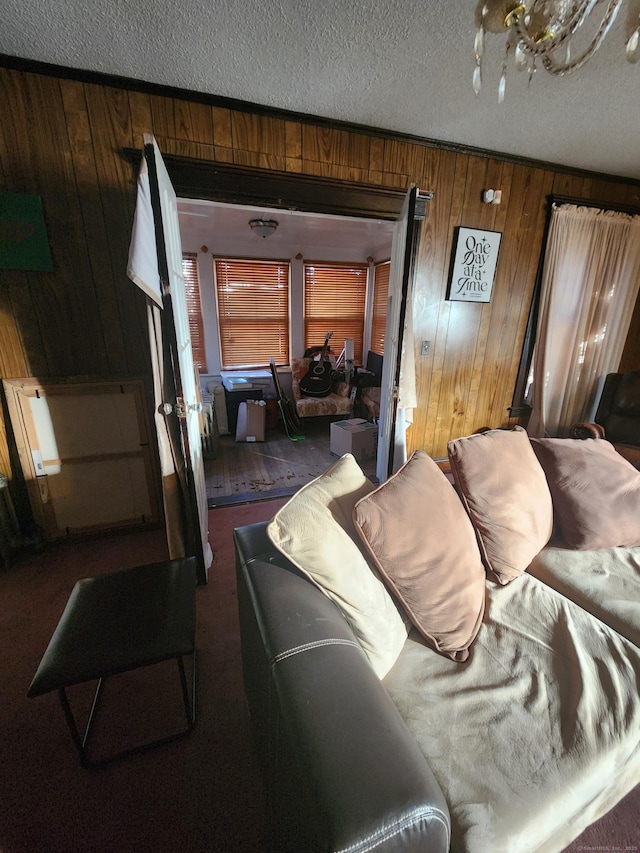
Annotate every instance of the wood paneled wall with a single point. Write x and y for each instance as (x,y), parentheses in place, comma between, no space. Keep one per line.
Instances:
(60,139)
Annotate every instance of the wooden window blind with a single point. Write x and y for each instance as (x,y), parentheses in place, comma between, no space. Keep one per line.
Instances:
(380,299)
(253,311)
(334,301)
(194,311)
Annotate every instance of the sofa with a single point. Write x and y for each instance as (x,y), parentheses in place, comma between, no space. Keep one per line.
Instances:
(437,667)
(370,397)
(337,403)
(368,382)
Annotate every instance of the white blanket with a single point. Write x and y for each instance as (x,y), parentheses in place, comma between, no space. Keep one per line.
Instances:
(538,733)
(606,583)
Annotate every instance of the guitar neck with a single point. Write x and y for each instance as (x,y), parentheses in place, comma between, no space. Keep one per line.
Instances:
(325,348)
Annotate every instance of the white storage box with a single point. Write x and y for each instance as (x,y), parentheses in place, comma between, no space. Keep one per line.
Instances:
(236,383)
(251,417)
(355,436)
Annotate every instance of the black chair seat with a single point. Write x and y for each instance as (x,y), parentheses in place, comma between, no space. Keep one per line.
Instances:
(117,622)
(618,416)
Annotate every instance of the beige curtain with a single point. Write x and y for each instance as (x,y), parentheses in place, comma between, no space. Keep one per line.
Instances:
(589,288)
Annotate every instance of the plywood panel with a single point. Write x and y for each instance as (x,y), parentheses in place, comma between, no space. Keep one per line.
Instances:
(141,116)
(86,454)
(441,400)
(331,170)
(222,127)
(405,158)
(376,154)
(473,369)
(293,139)
(98,494)
(522,239)
(262,135)
(335,147)
(110,121)
(433,259)
(60,139)
(497,216)
(178,119)
(41,301)
(96,282)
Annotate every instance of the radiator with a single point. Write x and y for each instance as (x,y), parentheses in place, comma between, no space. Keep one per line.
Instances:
(220,407)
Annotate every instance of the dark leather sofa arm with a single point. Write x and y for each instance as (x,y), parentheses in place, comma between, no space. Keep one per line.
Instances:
(341,770)
(586,430)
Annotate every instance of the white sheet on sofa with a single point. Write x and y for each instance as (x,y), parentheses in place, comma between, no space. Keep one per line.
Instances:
(606,583)
(535,736)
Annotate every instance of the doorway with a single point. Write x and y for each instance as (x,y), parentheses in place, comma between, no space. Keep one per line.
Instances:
(282,192)
(245,471)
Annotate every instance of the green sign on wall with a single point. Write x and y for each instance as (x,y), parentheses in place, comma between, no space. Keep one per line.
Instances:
(23,236)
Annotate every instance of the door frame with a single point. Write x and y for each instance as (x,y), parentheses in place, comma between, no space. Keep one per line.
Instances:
(252,186)
(245,185)
(178,419)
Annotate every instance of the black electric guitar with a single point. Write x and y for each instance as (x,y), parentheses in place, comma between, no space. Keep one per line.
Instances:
(290,419)
(319,378)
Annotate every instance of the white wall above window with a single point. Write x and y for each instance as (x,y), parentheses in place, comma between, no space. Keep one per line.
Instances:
(224,230)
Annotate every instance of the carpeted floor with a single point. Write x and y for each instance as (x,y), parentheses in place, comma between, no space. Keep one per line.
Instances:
(202,793)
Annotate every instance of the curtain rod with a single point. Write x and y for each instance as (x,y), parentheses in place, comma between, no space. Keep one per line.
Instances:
(633,209)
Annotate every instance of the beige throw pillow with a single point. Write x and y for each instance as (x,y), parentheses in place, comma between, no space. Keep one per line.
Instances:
(596,492)
(424,546)
(315,531)
(505,491)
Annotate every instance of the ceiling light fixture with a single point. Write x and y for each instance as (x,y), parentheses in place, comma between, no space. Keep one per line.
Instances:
(263,227)
(546,32)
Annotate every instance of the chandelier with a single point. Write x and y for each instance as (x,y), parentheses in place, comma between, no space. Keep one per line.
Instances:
(548,33)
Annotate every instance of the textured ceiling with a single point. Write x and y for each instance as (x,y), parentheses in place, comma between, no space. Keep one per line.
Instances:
(400,65)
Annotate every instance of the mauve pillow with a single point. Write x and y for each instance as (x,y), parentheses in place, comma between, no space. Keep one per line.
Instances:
(596,492)
(424,547)
(504,489)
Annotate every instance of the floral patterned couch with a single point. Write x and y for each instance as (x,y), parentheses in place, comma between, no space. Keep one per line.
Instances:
(336,403)
(370,397)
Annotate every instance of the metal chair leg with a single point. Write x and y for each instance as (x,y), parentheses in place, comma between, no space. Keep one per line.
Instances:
(81,742)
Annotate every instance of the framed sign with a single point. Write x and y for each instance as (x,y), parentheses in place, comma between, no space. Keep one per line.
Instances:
(474,265)
(23,237)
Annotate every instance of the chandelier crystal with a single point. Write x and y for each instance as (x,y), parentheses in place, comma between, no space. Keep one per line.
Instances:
(548,33)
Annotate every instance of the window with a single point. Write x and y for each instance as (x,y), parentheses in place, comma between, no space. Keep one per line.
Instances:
(253,311)
(194,311)
(380,299)
(334,301)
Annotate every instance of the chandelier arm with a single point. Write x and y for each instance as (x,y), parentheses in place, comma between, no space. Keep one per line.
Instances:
(541,46)
(544,30)
(554,67)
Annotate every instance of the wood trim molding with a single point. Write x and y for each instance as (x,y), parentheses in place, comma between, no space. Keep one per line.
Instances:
(633,210)
(99,78)
(231,184)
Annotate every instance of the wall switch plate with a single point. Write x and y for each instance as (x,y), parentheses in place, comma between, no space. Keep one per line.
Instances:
(426,345)
(37,463)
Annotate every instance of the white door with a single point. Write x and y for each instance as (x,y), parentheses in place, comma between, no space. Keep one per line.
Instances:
(391,432)
(186,406)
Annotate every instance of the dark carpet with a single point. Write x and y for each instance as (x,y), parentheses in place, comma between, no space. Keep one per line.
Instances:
(201,793)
